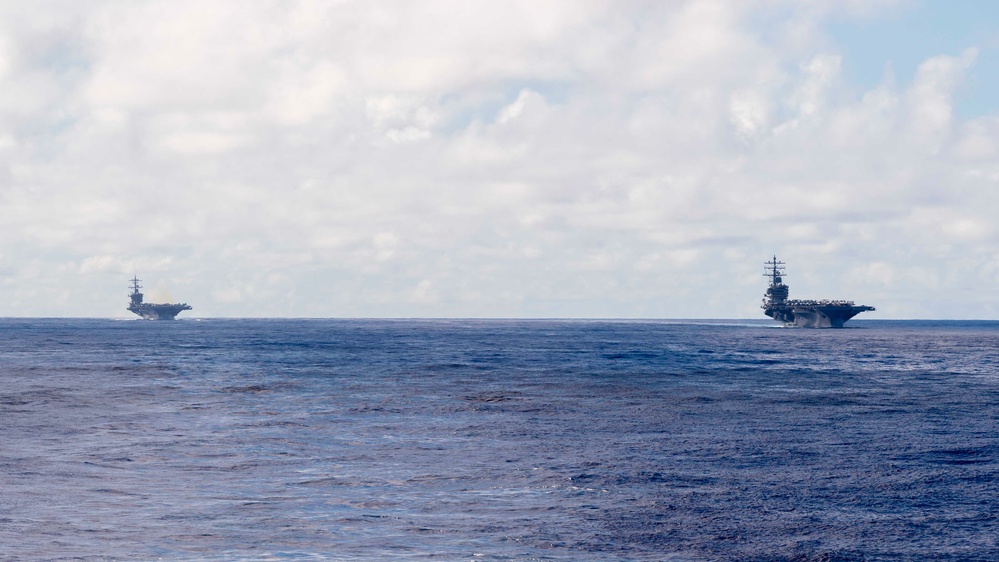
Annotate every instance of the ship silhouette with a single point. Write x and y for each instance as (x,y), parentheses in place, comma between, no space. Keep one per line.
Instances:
(153,311)
(803,313)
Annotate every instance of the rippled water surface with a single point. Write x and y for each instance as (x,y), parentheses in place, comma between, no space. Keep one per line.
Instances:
(498,440)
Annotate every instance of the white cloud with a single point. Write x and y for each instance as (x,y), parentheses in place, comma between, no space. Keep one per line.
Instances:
(930,98)
(750,112)
(821,72)
(474,158)
(516,109)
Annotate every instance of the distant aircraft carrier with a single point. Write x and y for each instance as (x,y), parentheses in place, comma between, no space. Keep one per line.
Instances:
(803,313)
(152,311)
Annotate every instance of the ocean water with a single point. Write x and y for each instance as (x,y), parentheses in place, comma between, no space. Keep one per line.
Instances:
(498,440)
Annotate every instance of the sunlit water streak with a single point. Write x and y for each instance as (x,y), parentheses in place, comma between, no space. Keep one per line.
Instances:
(498,440)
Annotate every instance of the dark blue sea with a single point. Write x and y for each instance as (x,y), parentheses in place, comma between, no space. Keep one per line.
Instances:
(498,440)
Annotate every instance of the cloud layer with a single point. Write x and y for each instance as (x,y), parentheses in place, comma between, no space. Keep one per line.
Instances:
(569,159)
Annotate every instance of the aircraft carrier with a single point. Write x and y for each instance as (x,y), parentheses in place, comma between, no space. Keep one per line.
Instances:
(803,313)
(152,311)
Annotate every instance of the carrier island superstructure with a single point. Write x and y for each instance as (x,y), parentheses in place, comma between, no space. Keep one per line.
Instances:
(152,311)
(803,313)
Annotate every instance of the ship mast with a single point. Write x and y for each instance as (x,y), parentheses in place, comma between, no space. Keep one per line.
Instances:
(777,292)
(775,271)
(135,295)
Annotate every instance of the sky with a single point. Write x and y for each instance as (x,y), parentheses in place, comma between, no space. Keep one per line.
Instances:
(533,159)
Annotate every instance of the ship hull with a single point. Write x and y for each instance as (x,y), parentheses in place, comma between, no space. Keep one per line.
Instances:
(159,312)
(816,317)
